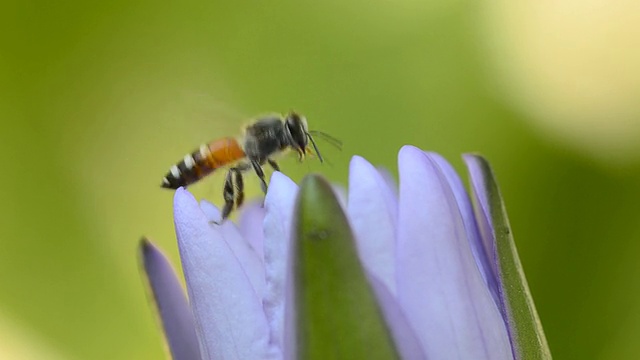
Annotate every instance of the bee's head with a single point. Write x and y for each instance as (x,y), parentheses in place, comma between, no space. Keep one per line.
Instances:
(297,132)
(298,136)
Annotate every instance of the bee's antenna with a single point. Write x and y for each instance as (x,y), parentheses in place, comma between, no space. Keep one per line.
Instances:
(315,147)
(328,138)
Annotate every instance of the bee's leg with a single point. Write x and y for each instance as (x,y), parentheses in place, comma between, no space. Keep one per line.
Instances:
(228,197)
(273,164)
(258,169)
(239,186)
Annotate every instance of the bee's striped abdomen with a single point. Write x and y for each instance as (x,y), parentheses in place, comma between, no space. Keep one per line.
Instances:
(203,162)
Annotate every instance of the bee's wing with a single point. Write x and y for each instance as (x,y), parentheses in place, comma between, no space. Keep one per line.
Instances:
(202,117)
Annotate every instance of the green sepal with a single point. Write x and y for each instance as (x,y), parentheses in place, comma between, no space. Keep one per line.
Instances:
(337,313)
(524,326)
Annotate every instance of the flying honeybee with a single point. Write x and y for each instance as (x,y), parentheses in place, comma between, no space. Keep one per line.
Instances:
(267,137)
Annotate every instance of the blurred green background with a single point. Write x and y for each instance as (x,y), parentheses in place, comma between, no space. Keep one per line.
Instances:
(98,99)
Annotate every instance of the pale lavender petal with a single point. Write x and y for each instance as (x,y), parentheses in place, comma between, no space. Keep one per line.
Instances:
(250,225)
(483,217)
(407,343)
(371,215)
(471,227)
(439,285)
(171,302)
(392,185)
(278,302)
(229,318)
(249,259)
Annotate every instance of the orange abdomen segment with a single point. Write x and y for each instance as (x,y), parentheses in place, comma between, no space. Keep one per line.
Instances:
(223,152)
(203,162)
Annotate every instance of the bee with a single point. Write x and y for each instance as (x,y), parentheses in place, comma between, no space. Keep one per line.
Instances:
(265,138)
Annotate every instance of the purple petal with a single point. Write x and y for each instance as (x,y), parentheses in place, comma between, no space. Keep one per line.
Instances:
(372,218)
(278,301)
(483,217)
(171,301)
(229,318)
(439,285)
(249,259)
(470,225)
(250,225)
(391,183)
(407,343)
